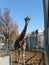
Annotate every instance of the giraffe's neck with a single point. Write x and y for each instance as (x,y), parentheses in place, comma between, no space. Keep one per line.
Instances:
(20,38)
(23,33)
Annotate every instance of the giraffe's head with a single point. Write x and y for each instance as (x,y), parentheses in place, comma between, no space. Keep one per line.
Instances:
(27,19)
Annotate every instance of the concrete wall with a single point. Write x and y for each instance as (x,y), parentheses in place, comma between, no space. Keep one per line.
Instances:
(5,60)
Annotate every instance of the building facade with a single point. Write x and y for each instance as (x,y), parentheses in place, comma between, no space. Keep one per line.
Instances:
(35,40)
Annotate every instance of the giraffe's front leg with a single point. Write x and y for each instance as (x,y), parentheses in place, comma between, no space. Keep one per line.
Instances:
(19,54)
(24,47)
(24,57)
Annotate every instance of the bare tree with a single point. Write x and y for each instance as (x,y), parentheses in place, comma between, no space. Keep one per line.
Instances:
(7,27)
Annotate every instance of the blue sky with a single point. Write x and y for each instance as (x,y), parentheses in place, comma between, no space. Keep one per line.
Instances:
(19,9)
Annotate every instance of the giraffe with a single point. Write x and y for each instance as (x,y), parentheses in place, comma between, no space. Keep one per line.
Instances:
(19,43)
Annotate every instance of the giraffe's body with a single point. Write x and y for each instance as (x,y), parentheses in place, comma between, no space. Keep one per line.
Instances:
(20,43)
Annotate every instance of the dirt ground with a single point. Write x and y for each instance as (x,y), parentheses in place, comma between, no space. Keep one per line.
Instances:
(31,58)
